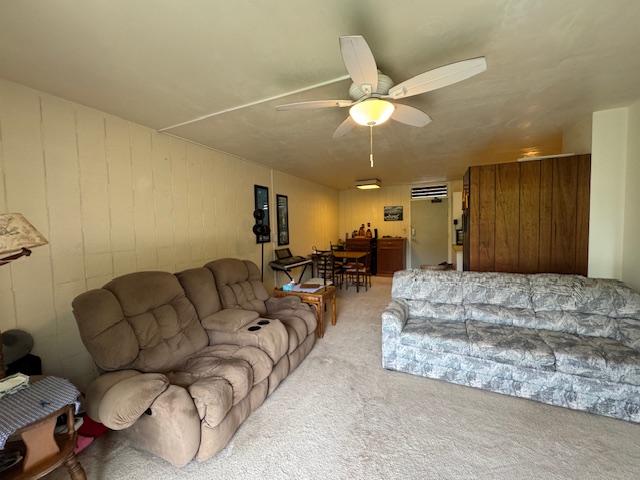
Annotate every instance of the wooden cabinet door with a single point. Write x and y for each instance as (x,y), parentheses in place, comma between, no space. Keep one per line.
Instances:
(529,217)
(391,254)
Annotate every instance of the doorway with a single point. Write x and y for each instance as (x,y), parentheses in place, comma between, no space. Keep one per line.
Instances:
(429,232)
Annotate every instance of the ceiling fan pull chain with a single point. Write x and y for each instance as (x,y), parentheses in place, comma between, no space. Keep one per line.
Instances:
(371,145)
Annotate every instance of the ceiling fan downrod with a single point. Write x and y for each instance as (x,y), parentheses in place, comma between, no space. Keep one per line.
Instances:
(371,145)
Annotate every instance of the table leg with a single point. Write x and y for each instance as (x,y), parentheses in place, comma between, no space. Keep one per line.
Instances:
(334,310)
(357,276)
(321,314)
(76,472)
(320,319)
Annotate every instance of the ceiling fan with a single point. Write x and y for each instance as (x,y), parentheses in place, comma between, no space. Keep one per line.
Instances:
(372,92)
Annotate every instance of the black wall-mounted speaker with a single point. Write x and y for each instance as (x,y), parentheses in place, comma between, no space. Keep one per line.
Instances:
(260,229)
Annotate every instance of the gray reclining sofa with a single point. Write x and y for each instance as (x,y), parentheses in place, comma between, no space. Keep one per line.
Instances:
(565,340)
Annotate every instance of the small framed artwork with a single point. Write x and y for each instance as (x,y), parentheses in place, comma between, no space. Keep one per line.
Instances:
(261,199)
(393,213)
(282,212)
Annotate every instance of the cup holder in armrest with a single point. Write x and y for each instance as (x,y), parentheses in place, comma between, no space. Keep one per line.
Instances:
(263,322)
(254,328)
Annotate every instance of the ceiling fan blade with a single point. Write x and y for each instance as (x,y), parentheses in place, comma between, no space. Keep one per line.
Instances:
(410,116)
(439,77)
(344,128)
(315,104)
(358,59)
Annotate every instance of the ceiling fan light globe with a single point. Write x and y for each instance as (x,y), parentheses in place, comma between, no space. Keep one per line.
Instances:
(371,112)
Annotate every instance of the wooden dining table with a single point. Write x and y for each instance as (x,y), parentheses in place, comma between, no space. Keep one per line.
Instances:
(352,255)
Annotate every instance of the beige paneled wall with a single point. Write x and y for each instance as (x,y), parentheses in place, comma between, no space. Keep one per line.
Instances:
(362,206)
(314,209)
(114,197)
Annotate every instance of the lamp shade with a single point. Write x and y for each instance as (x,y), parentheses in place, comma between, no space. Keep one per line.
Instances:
(372,112)
(17,233)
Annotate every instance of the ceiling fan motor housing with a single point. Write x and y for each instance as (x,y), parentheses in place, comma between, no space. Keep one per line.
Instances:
(384,84)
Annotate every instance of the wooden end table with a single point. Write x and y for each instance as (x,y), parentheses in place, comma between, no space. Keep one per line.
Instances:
(318,299)
(44,451)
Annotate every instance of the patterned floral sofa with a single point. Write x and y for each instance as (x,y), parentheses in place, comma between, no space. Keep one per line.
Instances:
(565,340)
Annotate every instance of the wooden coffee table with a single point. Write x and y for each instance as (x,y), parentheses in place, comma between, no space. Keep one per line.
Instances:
(318,299)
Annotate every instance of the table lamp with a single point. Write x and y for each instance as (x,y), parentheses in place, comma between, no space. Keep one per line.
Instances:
(17,238)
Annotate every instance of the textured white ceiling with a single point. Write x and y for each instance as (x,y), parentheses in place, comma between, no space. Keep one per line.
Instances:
(161,62)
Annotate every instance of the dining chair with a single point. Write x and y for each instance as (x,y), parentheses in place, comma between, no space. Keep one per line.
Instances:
(329,268)
(358,274)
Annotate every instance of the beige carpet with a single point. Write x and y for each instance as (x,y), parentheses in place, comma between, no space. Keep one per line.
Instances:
(341,416)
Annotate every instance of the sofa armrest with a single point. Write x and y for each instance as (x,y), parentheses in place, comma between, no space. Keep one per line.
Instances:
(229,319)
(395,316)
(275,304)
(118,399)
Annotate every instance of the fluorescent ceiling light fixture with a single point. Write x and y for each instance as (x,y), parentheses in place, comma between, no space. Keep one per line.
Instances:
(531,158)
(371,112)
(368,184)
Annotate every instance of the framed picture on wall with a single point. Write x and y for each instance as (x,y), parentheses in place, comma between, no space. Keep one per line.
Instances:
(261,200)
(282,212)
(393,213)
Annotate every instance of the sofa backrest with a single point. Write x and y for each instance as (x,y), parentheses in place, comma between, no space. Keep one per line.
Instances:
(141,320)
(239,284)
(200,287)
(568,303)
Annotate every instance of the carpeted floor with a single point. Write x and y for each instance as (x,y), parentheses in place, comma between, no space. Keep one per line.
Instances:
(341,416)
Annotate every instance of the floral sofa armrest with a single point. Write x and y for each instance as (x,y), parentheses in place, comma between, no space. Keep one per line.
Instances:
(395,316)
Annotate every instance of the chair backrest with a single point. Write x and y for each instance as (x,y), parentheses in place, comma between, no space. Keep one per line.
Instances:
(239,284)
(141,320)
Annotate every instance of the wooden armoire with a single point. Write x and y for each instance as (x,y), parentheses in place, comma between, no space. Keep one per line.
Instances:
(528,217)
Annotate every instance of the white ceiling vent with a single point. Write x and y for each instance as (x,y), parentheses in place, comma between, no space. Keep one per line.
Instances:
(431,191)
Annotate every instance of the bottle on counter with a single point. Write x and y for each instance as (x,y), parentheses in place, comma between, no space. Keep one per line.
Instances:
(368,234)
(361,231)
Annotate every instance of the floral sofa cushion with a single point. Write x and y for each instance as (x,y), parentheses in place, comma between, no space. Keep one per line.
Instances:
(509,290)
(444,336)
(594,357)
(512,345)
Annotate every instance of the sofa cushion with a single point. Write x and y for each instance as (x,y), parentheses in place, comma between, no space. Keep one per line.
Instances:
(509,290)
(444,311)
(104,330)
(577,323)
(431,285)
(594,357)
(301,311)
(445,336)
(229,319)
(296,328)
(627,303)
(629,332)
(213,398)
(550,291)
(239,284)
(512,345)
(145,322)
(521,317)
(236,371)
(200,288)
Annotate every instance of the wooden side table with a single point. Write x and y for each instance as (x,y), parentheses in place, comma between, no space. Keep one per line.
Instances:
(318,299)
(44,451)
